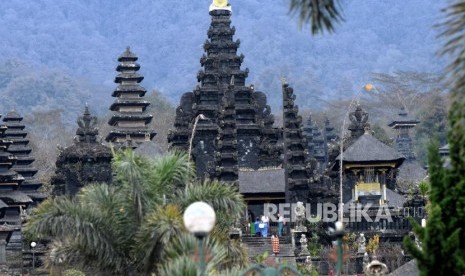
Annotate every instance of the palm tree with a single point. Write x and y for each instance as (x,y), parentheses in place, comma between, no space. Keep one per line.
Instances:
(135,225)
(319,14)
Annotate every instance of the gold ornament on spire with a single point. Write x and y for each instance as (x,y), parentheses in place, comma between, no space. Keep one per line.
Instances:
(220,3)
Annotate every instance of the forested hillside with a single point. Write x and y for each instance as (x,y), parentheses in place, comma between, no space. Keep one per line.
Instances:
(67,48)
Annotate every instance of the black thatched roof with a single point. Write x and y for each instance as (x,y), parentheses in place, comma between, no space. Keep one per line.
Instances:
(403,118)
(262,181)
(369,149)
(395,199)
(15,196)
(408,269)
(86,151)
(410,172)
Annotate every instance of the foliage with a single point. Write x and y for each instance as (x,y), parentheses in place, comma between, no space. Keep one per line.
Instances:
(304,269)
(373,244)
(442,249)
(320,14)
(424,188)
(135,225)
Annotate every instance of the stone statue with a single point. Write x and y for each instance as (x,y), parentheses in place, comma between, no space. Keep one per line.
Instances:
(376,268)
(366,259)
(299,211)
(361,244)
(308,263)
(303,246)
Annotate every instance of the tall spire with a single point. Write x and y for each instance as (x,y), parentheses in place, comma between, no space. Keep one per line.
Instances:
(298,170)
(220,63)
(24,158)
(130,119)
(402,124)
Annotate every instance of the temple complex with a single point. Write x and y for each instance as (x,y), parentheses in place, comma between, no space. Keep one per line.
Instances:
(130,120)
(86,161)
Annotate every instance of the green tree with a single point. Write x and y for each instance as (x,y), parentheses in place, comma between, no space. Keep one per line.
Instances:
(135,226)
(443,239)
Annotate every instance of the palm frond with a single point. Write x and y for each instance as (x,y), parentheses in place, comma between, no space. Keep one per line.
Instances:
(61,218)
(185,249)
(159,229)
(453,31)
(319,14)
(221,196)
(170,172)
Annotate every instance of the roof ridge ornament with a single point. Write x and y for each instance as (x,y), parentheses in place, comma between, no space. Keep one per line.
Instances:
(220,5)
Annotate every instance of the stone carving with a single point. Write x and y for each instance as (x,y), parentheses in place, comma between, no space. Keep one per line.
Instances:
(358,122)
(376,268)
(299,211)
(303,246)
(361,244)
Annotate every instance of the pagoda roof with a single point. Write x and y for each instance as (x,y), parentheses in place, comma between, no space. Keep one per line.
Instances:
(129,88)
(403,118)
(129,102)
(367,149)
(30,183)
(128,65)
(35,195)
(16,196)
(127,55)
(127,116)
(3,204)
(15,125)
(262,181)
(12,116)
(133,132)
(128,76)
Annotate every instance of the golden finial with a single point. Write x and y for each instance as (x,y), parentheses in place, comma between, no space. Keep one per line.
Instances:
(220,3)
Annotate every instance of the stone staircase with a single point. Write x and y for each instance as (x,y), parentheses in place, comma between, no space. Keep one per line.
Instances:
(257,246)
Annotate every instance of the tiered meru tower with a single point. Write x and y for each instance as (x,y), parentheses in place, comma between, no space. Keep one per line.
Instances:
(24,159)
(296,164)
(130,119)
(403,124)
(256,137)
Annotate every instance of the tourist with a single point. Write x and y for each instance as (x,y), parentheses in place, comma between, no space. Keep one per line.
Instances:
(281,223)
(275,244)
(264,226)
(257,227)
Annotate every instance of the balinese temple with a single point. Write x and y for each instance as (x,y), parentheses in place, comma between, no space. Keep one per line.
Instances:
(13,202)
(84,162)
(197,116)
(24,158)
(370,172)
(130,120)
(410,172)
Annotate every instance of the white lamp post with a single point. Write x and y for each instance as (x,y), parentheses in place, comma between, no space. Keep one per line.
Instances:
(199,219)
(33,245)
